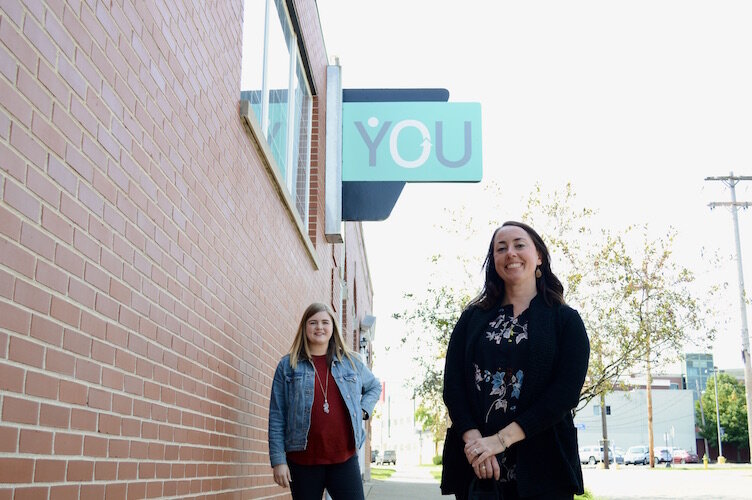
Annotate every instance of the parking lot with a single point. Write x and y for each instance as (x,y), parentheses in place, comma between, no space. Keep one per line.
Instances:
(724,482)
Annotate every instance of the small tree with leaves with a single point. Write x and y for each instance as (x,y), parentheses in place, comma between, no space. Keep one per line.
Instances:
(432,319)
(653,303)
(732,407)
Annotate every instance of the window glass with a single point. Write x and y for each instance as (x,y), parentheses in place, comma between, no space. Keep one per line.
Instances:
(252,69)
(301,146)
(274,80)
(278,80)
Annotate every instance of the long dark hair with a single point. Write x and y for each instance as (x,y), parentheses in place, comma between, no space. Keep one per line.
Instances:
(548,285)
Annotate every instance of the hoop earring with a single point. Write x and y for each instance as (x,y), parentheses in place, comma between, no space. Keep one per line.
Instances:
(538,272)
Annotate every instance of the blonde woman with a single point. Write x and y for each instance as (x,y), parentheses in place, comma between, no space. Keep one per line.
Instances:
(320,393)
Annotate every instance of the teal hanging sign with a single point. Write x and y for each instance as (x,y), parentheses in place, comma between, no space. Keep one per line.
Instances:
(411,141)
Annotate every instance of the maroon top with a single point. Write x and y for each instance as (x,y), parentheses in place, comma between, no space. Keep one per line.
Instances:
(330,437)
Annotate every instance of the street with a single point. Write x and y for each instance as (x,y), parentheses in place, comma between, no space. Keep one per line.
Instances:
(729,482)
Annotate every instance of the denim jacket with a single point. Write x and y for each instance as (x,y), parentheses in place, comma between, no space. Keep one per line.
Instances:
(292,400)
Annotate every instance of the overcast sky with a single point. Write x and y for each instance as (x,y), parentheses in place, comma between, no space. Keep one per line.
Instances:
(634,103)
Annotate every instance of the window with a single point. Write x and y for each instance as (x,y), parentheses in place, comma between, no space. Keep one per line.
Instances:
(597,410)
(273,80)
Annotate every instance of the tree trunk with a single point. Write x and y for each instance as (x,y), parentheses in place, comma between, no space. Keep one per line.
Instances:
(604,442)
(649,383)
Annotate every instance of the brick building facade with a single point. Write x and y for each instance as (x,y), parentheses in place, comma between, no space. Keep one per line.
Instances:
(152,266)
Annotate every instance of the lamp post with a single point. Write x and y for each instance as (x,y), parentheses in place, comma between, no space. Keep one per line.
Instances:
(717,415)
(702,415)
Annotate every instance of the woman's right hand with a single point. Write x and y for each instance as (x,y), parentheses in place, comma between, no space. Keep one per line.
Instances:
(282,475)
(487,469)
(467,437)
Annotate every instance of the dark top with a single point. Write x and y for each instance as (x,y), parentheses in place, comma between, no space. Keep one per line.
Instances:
(554,371)
(330,437)
(499,358)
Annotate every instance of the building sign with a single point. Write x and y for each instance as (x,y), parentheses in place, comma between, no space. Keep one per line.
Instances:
(411,141)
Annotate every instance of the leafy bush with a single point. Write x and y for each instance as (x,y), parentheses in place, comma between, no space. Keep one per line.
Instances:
(437,460)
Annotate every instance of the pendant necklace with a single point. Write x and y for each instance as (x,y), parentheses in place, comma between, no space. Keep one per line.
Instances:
(325,391)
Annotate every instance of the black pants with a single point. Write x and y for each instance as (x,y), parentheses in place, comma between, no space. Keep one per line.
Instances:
(509,491)
(342,481)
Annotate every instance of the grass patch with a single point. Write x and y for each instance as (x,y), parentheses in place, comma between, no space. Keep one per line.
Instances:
(379,473)
(586,496)
(435,471)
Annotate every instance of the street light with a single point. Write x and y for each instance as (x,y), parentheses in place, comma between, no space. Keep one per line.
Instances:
(702,415)
(717,415)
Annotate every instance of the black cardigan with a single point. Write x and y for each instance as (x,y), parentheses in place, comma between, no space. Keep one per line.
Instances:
(559,350)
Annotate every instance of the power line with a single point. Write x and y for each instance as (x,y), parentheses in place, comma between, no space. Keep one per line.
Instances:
(731,181)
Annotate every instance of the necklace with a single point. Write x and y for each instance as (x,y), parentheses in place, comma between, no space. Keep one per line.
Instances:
(325,391)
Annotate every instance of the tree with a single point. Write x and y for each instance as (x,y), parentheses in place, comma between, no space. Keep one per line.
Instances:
(579,255)
(432,420)
(434,316)
(655,304)
(732,407)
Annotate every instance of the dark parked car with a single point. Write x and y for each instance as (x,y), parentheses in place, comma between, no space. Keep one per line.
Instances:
(685,457)
(389,457)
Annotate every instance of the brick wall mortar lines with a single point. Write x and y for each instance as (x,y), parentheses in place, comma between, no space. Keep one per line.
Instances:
(90,385)
(93,312)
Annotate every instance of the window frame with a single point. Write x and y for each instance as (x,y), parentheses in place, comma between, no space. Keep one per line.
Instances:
(286,182)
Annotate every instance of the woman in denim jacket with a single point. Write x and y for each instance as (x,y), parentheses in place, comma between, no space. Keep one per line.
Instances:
(320,393)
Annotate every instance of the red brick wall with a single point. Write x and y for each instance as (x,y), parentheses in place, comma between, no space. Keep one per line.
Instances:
(150,276)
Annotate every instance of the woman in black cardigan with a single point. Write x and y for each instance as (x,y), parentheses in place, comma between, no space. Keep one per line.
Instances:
(515,365)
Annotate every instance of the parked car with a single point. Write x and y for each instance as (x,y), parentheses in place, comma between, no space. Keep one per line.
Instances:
(618,455)
(389,457)
(637,455)
(680,456)
(374,455)
(594,454)
(662,454)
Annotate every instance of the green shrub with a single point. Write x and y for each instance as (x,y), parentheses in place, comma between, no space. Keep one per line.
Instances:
(437,460)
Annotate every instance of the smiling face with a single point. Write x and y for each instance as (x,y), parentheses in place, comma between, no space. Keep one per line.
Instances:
(515,256)
(318,331)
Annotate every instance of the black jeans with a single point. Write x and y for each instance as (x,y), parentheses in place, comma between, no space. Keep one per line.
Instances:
(509,491)
(342,481)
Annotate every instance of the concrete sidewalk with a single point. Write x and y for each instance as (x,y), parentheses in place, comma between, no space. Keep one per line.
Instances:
(408,482)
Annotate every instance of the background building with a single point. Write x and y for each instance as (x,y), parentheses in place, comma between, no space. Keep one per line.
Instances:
(159,240)
(697,368)
(673,419)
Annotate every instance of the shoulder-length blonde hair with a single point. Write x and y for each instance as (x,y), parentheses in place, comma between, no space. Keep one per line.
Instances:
(300,349)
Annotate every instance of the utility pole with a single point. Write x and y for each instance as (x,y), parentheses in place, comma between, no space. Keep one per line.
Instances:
(731,181)
(718,416)
(702,415)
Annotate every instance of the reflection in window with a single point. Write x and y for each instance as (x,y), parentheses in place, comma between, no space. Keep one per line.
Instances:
(274,81)
(252,70)
(302,146)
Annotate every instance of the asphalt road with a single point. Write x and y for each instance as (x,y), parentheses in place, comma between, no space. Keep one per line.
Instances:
(729,482)
(693,482)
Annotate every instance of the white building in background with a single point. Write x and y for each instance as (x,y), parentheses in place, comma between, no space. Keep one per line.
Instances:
(627,423)
(394,427)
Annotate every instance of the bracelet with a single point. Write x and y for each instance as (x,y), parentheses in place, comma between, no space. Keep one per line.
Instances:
(501,440)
